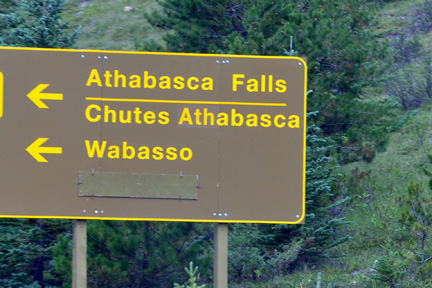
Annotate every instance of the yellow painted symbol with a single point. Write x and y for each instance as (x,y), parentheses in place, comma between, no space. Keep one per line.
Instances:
(1,94)
(36,96)
(35,149)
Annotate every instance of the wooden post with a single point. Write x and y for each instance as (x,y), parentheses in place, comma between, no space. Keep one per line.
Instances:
(220,264)
(79,254)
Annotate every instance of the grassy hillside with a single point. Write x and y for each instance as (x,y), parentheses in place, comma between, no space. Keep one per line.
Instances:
(387,224)
(380,190)
(111,24)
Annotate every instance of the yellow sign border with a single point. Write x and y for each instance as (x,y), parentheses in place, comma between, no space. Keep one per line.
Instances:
(1,94)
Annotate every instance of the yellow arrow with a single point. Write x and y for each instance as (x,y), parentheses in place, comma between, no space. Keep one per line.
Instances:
(35,150)
(36,96)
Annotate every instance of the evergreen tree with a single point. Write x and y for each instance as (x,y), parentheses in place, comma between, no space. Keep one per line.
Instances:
(6,5)
(191,283)
(339,48)
(325,205)
(26,252)
(335,36)
(198,26)
(36,23)
(264,251)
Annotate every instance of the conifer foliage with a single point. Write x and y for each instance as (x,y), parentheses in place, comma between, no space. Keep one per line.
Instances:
(266,251)
(36,23)
(5,5)
(136,254)
(334,36)
(325,205)
(199,26)
(339,48)
(26,252)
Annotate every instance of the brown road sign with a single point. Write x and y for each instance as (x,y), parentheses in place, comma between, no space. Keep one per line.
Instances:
(152,136)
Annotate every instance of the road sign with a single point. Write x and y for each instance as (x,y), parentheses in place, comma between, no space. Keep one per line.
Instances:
(152,136)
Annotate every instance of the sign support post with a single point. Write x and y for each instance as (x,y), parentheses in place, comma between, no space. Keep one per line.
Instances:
(79,254)
(220,262)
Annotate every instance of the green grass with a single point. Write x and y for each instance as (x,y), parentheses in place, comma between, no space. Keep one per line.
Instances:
(395,16)
(105,25)
(376,208)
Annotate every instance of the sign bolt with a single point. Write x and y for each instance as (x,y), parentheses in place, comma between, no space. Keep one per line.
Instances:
(226,214)
(300,64)
(105,57)
(214,214)
(83,56)
(84,211)
(96,212)
(298,216)
(217,61)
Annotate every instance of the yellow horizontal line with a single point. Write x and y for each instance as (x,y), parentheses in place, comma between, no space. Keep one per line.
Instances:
(184,102)
(154,53)
(148,219)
